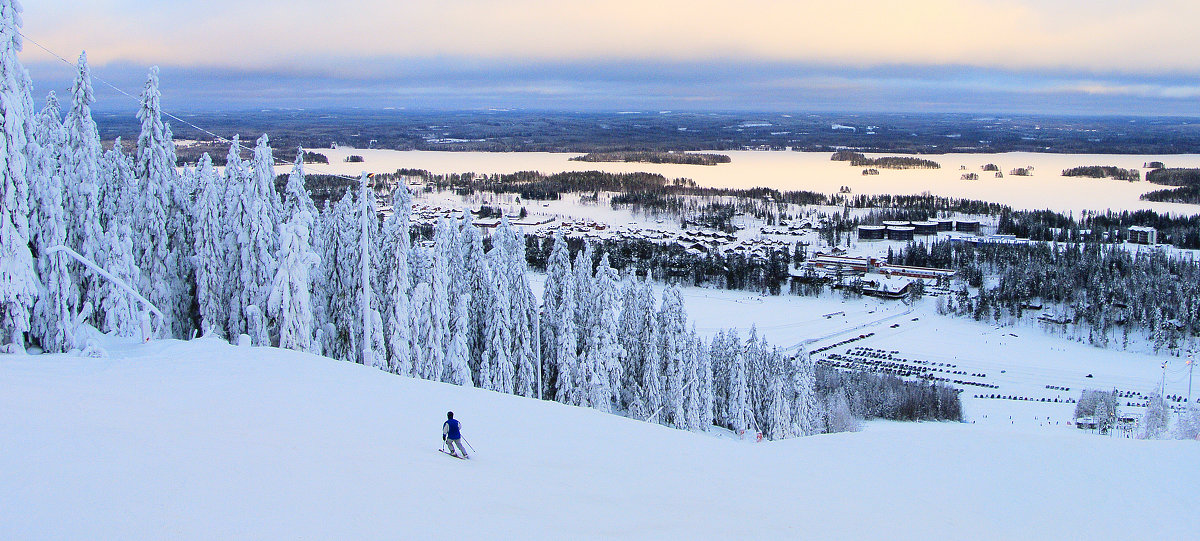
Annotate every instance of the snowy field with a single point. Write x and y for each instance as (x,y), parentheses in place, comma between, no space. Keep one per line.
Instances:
(1046,189)
(201,440)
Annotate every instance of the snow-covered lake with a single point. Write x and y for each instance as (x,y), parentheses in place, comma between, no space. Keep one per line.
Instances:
(1045,189)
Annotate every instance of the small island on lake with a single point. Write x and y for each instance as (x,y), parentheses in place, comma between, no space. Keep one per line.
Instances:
(684,158)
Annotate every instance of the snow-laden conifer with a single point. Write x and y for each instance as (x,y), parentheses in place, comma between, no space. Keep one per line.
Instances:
(209,250)
(459,371)
(18,281)
(290,301)
(156,173)
(52,324)
(81,166)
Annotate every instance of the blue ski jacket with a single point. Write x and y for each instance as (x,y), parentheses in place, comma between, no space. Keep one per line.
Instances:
(450,429)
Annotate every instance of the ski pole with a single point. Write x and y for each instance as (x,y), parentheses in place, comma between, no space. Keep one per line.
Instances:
(469,445)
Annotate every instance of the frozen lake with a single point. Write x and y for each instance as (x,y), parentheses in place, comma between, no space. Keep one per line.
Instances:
(1046,189)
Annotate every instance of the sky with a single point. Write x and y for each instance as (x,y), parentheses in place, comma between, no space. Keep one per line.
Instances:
(1019,56)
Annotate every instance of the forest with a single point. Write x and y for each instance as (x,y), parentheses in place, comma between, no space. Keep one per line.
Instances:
(1107,292)
(685,158)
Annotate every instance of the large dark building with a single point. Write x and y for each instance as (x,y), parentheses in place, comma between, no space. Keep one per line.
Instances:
(925,228)
(900,232)
(870,232)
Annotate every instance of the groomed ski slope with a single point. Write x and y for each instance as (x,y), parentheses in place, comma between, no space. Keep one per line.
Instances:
(201,440)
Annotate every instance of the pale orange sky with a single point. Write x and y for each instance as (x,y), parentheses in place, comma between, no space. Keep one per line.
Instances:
(1103,35)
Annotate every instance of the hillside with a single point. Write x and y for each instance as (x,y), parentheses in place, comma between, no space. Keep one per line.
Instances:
(200,440)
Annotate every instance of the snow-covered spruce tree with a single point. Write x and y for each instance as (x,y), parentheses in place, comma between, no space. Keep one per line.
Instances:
(585,309)
(523,313)
(691,379)
(1153,425)
(118,183)
(18,281)
(396,283)
(1188,427)
(459,372)
(779,414)
(839,417)
(156,173)
(605,354)
(258,239)
(179,229)
(81,167)
(295,192)
(422,328)
(704,370)
(444,245)
(399,322)
(52,324)
(120,312)
(475,275)
(738,408)
(209,250)
(806,407)
(673,323)
(652,363)
(496,371)
(290,301)
(567,387)
(235,222)
(263,173)
(757,373)
(558,266)
(370,328)
(631,321)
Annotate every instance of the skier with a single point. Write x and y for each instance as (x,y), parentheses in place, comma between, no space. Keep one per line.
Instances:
(451,435)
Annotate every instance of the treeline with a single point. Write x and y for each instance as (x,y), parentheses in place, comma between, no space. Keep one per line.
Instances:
(190,154)
(1185,194)
(322,188)
(654,157)
(886,162)
(1103,171)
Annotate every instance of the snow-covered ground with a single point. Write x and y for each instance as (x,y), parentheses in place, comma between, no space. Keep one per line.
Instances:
(201,440)
(1046,189)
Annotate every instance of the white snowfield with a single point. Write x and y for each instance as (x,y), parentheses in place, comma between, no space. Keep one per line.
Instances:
(202,440)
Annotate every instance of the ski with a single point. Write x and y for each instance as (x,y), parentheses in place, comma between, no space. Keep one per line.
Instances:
(455,456)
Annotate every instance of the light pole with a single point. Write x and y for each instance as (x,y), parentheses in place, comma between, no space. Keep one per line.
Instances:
(537,331)
(1191,366)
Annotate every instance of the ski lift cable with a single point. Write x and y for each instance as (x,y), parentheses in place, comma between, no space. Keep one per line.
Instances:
(168,114)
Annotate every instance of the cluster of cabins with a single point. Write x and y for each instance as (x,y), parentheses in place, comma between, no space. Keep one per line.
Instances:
(903,230)
(693,240)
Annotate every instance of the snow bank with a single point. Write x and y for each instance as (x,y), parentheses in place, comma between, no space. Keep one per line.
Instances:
(201,440)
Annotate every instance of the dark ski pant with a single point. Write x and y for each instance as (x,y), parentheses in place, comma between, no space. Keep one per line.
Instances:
(450,443)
